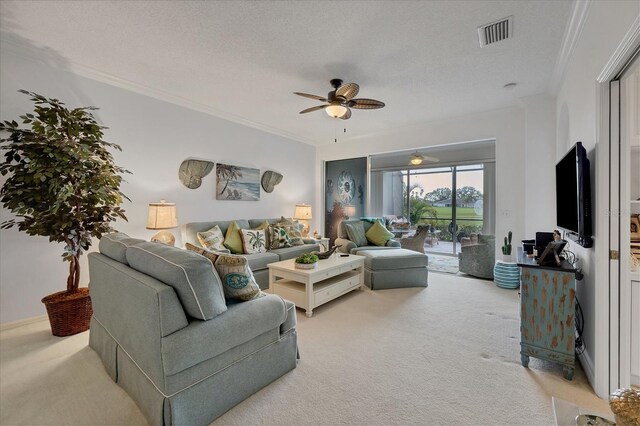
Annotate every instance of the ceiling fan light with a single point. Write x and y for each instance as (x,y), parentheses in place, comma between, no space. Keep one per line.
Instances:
(336,111)
(416,159)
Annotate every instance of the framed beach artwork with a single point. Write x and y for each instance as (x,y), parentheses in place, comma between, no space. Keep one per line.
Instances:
(237,183)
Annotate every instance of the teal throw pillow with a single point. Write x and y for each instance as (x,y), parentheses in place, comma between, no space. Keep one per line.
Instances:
(355,232)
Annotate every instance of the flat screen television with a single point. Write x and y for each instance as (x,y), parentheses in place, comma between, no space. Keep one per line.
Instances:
(573,195)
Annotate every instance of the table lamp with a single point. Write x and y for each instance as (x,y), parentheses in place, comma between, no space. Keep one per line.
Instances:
(162,216)
(303,214)
(349,210)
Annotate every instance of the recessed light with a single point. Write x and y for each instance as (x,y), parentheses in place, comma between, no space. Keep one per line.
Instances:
(510,85)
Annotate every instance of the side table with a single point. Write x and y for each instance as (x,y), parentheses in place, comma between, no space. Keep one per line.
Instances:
(547,313)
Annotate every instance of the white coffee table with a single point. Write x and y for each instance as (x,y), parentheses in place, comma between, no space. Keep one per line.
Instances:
(310,288)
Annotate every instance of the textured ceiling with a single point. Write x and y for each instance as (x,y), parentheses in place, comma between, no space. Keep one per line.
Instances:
(242,60)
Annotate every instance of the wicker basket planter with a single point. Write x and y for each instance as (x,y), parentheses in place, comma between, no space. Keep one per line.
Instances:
(69,313)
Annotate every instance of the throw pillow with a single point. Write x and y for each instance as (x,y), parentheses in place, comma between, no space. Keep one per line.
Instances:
(279,237)
(209,254)
(212,239)
(294,230)
(232,240)
(378,234)
(265,227)
(253,240)
(355,232)
(237,279)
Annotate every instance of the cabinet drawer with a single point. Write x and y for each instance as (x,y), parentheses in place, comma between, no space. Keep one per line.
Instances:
(328,292)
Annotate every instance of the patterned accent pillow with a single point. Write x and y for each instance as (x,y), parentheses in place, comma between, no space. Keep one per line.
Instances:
(378,234)
(294,229)
(279,237)
(291,222)
(355,232)
(209,254)
(265,227)
(213,239)
(253,240)
(232,240)
(237,279)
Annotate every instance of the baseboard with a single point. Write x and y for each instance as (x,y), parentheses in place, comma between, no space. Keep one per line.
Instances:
(14,324)
(587,366)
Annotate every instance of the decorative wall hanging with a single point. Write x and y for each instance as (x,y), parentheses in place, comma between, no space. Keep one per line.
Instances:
(270,179)
(343,179)
(237,183)
(191,172)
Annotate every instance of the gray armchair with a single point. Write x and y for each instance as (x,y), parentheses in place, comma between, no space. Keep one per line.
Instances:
(478,259)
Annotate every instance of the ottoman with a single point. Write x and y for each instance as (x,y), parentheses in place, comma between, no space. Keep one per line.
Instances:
(394,268)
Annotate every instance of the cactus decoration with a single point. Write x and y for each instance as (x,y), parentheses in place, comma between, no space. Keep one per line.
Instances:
(506,248)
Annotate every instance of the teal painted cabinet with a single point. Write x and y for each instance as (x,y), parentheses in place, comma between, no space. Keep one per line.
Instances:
(547,313)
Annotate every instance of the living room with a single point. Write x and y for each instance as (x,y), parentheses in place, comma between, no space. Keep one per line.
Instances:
(215,82)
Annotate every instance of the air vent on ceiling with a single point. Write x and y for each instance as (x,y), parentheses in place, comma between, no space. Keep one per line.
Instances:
(495,31)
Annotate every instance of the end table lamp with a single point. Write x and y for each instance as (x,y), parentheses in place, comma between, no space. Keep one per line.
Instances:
(162,216)
(303,214)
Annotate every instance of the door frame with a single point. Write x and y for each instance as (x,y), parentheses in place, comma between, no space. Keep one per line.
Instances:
(607,372)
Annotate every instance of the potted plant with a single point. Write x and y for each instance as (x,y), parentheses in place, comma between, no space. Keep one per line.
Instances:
(506,274)
(306,261)
(62,184)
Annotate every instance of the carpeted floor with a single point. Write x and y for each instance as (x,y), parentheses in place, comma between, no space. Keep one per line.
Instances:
(446,354)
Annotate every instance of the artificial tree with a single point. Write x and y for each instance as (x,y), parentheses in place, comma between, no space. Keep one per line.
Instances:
(61,183)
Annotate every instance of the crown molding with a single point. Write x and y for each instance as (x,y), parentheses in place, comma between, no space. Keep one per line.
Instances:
(569,41)
(42,54)
(623,53)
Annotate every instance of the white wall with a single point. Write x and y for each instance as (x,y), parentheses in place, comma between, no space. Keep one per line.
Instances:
(605,27)
(155,136)
(506,126)
(540,161)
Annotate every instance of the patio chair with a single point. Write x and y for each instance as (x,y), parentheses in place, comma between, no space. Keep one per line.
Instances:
(416,242)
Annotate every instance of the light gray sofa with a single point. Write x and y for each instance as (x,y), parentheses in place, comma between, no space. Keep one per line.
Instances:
(167,336)
(257,261)
(348,246)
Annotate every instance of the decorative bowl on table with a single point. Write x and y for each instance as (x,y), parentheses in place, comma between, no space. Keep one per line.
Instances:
(306,261)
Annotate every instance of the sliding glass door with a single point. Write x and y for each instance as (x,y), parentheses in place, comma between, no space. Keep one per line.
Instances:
(449,200)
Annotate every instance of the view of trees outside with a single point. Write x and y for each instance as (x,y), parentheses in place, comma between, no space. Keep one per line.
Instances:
(430,200)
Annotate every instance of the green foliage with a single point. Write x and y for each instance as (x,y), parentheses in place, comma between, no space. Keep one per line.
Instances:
(307,258)
(62,182)
(506,248)
(438,194)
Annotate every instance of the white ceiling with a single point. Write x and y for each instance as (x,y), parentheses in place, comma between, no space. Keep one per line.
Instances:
(243,59)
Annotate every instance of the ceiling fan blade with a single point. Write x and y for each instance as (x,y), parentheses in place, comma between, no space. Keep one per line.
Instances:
(365,103)
(346,115)
(430,159)
(315,108)
(348,91)
(307,95)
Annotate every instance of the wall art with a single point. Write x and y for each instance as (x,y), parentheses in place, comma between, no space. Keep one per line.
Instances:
(270,179)
(192,171)
(237,183)
(345,186)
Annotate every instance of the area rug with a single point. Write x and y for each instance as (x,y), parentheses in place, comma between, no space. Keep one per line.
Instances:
(446,264)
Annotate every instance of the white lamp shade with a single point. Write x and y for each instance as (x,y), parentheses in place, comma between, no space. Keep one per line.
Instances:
(162,216)
(336,111)
(303,212)
(349,210)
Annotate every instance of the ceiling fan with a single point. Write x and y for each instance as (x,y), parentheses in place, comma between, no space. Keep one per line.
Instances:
(340,100)
(416,159)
